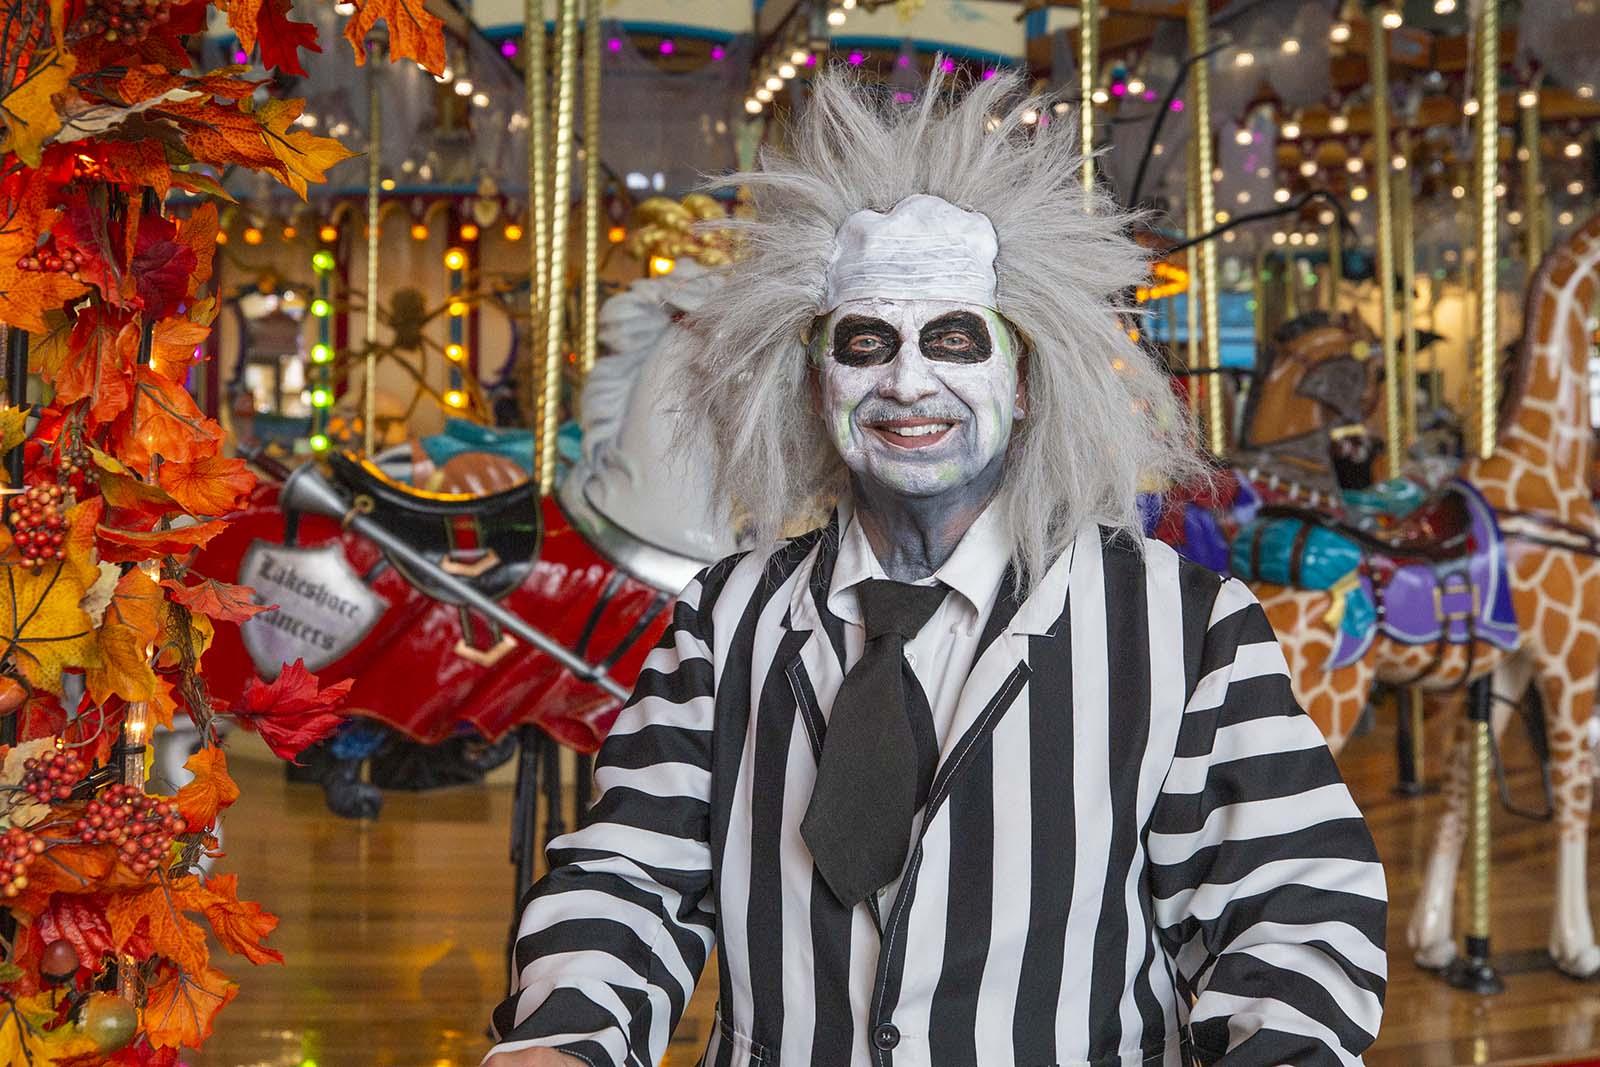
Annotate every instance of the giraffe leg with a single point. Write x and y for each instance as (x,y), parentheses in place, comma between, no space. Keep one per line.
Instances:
(1429,932)
(1569,704)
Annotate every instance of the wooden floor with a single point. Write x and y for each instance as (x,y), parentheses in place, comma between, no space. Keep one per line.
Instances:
(394,931)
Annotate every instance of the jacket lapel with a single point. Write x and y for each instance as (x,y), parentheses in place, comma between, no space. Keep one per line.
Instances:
(815,666)
(1001,670)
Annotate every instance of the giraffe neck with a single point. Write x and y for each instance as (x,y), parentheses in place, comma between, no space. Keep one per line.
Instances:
(1541,460)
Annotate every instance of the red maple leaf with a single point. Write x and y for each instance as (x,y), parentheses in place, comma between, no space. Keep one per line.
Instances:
(282,38)
(216,600)
(161,269)
(292,712)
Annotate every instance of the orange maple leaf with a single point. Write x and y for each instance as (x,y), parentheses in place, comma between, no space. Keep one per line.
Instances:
(131,546)
(414,33)
(214,485)
(211,790)
(99,365)
(173,341)
(199,232)
(158,912)
(70,869)
(240,924)
(181,1007)
(216,600)
(162,421)
(132,624)
(25,295)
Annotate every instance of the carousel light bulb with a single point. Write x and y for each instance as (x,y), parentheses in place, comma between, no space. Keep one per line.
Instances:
(1326,216)
(1243,197)
(1514,217)
(1230,237)
(1528,98)
(662,265)
(290,232)
(1574,188)
(455,398)
(321,308)
(319,442)
(752,106)
(1281,195)
(1359,193)
(1279,237)
(774,83)
(328,234)
(1245,58)
(616,235)
(480,99)
(1444,7)
(1339,32)
(1100,96)
(1290,131)
(1469,108)
(252,235)
(1244,137)
(344,7)
(1499,189)
(1216,174)
(764,95)
(786,71)
(1586,90)
(1458,191)
(1290,46)
(1572,150)
(387,185)
(419,231)
(1308,168)
(1311,238)
(445,75)
(321,353)
(322,261)
(469,231)
(457,308)
(463,87)
(1223,217)
(1565,218)
(1029,117)
(1392,19)
(836,17)
(1135,86)
(798,56)
(513,231)
(1297,238)
(321,398)
(1338,123)
(1354,164)
(455,353)
(1398,163)
(1355,218)
(455,259)
(848,5)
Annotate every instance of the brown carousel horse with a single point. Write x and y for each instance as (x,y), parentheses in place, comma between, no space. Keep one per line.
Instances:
(1531,499)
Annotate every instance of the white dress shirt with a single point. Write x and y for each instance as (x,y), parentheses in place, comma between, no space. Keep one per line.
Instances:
(942,653)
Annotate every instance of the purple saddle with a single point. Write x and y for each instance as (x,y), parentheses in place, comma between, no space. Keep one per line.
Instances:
(1429,596)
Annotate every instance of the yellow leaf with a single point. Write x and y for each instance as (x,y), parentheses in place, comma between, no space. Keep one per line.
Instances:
(29,110)
(41,625)
(132,622)
(13,428)
(305,156)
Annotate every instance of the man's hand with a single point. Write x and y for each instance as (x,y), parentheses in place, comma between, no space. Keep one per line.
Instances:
(533,1057)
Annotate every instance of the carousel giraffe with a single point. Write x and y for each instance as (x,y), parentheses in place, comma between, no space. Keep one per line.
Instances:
(1537,484)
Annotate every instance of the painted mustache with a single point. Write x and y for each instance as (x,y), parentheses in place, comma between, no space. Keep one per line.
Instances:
(917,426)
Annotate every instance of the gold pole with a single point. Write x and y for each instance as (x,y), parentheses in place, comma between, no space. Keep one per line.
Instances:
(1485,128)
(549,415)
(374,224)
(1088,71)
(1216,432)
(1408,294)
(1335,261)
(533,46)
(1478,919)
(592,199)
(1394,418)
(1532,200)
(1191,307)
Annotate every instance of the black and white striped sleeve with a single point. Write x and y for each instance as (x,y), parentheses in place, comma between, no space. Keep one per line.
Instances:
(1267,886)
(613,939)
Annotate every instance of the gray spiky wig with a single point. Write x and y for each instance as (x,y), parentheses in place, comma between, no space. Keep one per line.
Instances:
(1102,420)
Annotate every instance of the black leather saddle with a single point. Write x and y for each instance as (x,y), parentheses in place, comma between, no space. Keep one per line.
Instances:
(491,541)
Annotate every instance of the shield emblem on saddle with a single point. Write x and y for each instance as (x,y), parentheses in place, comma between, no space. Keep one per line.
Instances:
(323,610)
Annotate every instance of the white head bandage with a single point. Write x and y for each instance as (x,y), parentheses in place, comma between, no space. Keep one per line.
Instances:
(925,248)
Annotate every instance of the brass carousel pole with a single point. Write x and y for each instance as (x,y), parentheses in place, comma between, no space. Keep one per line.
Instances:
(1406,224)
(1216,431)
(1473,970)
(375,59)
(548,423)
(593,200)
(530,380)
(1532,199)
(1191,308)
(1335,261)
(1394,417)
(1088,72)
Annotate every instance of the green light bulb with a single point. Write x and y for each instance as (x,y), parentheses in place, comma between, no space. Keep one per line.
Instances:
(319,443)
(321,308)
(322,261)
(321,353)
(321,398)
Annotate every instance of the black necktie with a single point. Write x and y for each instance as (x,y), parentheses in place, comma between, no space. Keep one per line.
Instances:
(858,824)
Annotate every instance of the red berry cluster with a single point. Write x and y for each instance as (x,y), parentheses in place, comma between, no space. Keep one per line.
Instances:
(39,523)
(127,21)
(51,258)
(140,825)
(50,777)
(17,850)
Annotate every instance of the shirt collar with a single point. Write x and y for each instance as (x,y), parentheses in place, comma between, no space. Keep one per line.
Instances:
(974,569)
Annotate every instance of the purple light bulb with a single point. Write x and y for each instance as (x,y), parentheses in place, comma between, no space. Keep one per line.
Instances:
(948,66)
(1177,105)
(508,48)
(614,44)
(240,56)
(666,46)
(718,52)
(856,59)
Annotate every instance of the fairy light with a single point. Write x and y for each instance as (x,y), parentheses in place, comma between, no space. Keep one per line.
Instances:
(290,233)
(321,353)
(469,231)
(660,265)
(752,106)
(455,259)
(321,398)
(836,17)
(328,234)
(455,398)
(321,308)
(387,185)
(1290,131)
(419,231)
(764,95)
(1339,32)
(1308,168)
(1338,123)
(319,442)
(513,231)
(1281,195)
(322,261)
(616,235)
(1359,193)
(252,235)
(455,353)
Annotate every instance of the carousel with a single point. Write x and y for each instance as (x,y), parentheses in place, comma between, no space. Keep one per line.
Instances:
(1375,267)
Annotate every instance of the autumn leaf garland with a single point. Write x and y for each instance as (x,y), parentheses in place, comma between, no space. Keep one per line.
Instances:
(100,118)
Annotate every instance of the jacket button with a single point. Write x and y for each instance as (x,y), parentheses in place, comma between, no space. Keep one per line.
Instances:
(886,1036)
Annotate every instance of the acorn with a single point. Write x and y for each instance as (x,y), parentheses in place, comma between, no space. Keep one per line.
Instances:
(59,962)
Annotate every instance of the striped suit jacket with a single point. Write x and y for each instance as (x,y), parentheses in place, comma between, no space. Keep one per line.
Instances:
(1137,849)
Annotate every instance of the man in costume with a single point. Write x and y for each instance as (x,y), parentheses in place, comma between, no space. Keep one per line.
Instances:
(971,774)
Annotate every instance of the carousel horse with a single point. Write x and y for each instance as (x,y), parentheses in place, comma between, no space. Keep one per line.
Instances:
(1499,573)
(594,567)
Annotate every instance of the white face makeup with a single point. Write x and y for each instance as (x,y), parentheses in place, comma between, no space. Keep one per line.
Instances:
(919,396)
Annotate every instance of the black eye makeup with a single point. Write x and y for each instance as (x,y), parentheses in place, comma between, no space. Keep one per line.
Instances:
(959,337)
(861,341)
